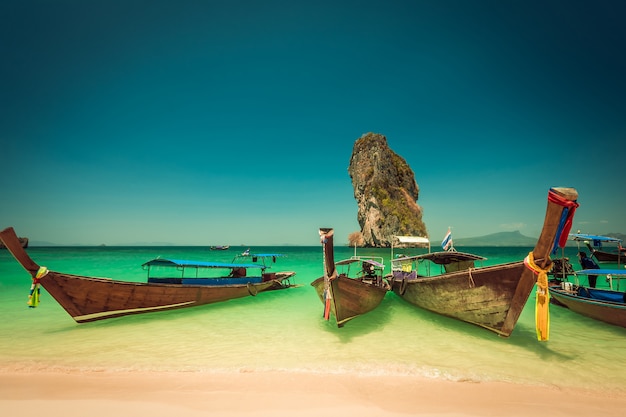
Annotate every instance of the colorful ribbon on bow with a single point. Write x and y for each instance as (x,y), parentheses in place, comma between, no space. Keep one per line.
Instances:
(35,290)
(542,303)
(567,217)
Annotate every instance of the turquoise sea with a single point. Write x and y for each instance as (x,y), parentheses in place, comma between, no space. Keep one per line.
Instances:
(284,330)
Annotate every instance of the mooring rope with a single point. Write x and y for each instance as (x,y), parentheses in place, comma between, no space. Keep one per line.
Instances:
(472,284)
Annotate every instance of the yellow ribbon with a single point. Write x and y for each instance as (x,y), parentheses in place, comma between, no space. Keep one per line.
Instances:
(43,271)
(33,295)
(542,310)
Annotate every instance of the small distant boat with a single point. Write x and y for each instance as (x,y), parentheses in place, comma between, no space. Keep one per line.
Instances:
(595,245)
(220,247)
(348,294)
(267,260)
(606,305)
(491,297)
(172,284)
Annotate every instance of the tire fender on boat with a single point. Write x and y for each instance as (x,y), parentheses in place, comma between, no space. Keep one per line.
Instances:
(252,289)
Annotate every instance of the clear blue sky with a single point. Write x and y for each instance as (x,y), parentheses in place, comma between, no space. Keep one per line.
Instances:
(232,122)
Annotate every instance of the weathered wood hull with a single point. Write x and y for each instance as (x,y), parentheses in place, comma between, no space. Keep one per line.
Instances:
(612,313)
(350,298)
(89,299)
(482,296)
(492,297)
(609,257)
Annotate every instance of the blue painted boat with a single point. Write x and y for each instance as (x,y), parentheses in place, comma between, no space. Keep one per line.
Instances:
(607,305)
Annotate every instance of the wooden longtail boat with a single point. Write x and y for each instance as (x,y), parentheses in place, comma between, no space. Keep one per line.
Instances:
(492,296)
(595,245)
(605,305)
(89,299)
(266,259)
(347,295)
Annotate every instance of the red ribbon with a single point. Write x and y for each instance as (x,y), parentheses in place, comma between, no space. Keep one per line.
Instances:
(571,206)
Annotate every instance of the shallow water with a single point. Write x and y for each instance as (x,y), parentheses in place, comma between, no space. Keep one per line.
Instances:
(284,330)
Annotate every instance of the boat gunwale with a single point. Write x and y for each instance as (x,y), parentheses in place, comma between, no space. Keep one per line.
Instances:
(433,256)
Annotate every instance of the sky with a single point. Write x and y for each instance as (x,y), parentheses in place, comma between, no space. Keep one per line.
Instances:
(233,122)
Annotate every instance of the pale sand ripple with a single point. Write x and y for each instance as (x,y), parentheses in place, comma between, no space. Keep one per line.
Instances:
(278,394)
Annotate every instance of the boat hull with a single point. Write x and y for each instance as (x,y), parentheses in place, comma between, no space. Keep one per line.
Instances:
(484,296)
(282,277)
(609,257)
(350,297)
(89,299)
(608,312)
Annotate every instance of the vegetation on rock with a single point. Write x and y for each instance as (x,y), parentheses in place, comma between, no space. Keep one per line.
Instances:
(385,191)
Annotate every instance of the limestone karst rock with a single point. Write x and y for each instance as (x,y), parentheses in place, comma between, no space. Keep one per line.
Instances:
(385,191)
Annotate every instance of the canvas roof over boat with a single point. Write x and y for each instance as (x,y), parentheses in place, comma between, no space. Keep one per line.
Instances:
(197,264)
(408,241)
(353,260)
(616,272)
(259,255)
(611,274)
(413,240)
(583,236)
(442,258)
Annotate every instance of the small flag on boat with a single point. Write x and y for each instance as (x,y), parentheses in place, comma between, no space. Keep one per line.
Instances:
(447,240)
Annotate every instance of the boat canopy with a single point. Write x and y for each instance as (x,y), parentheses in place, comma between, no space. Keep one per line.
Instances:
(442,258)
(611,275)
(409,241)
(271,257)
(197,264)
(595,238)
(616,272)
(366,261)
(413,239)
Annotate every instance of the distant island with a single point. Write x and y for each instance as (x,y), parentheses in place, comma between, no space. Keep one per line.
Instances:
(498,239)
(512,239)
(495,239)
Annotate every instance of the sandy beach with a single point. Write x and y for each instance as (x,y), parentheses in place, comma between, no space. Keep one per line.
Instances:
(273,355)
(284,394)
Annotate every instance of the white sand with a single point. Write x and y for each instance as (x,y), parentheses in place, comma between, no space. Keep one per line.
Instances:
(277,394)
